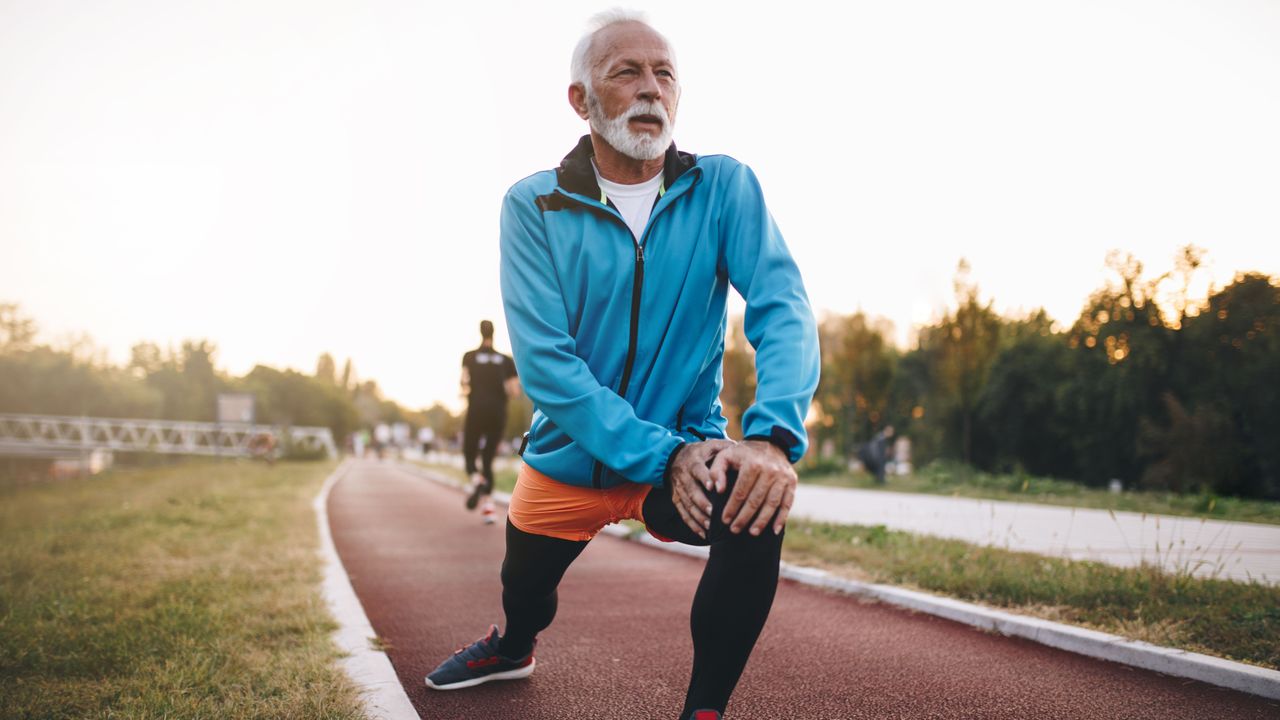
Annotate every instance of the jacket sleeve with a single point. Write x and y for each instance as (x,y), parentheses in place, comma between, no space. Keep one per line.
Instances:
(554,377)
(779,323)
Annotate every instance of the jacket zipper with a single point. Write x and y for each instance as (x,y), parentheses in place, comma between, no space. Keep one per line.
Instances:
(637,284)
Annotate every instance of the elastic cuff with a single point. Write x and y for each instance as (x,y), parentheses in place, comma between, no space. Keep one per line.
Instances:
(671,461)
(776,442)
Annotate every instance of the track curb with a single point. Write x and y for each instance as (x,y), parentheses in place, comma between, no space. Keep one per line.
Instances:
(370,669)
(1082,641)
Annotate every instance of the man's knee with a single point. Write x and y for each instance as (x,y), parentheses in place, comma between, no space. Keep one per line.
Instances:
(766,542)
(525,579)
(534,564)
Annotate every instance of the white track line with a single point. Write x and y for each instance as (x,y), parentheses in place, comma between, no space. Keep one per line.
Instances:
(370,669)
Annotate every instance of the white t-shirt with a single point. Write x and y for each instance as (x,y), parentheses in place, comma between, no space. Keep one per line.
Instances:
(634,202)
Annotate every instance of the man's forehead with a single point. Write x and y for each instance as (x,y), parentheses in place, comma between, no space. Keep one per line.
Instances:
(630,42)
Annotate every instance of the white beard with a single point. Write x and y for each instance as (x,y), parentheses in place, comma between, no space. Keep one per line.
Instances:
(616,131)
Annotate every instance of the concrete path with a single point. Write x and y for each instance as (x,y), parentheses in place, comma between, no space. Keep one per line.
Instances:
(426,572)
(1207,548)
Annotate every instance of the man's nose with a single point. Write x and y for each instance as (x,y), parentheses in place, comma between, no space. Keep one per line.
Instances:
(650,88)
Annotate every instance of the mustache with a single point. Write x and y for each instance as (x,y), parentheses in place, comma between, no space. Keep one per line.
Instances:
(650,108)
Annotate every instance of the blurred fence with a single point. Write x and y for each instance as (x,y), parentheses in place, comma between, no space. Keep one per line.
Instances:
(48,435)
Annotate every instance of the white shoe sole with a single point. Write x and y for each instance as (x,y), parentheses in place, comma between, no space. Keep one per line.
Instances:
(516,674)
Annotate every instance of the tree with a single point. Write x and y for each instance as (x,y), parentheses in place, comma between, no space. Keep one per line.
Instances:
(17,331)
(963,347)
(1120,369)
(1019,405)
(446,424)
(288,397)
(348,375)
(1196,450)
(857,373)
(145,359)
(326,370)
(1230,354)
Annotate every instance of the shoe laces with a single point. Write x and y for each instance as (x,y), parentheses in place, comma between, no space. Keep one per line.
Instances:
(478,642)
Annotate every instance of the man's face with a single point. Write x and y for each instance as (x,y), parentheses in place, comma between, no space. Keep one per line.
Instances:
(634,94)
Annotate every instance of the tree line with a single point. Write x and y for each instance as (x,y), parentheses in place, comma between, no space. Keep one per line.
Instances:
(1146,385)
(75,377)
(176,383)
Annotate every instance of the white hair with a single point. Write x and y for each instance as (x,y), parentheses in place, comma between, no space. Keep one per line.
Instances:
(580,66)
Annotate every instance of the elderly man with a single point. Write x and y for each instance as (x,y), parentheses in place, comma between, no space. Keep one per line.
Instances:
(615,273)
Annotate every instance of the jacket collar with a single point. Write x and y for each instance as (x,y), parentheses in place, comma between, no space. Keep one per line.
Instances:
(576,175)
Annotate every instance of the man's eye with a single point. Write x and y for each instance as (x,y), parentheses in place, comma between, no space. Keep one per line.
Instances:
(666,73)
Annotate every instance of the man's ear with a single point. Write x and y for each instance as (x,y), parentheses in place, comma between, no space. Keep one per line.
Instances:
(578,100)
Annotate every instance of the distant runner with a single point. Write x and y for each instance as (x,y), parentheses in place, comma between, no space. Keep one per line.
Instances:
(488,378)
(616,269)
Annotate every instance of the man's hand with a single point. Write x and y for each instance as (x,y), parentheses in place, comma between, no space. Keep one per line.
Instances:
(689,478)
(766,484)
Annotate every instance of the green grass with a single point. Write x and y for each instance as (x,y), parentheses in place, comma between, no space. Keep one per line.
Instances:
(959,481)
(1233,620)
(187,591)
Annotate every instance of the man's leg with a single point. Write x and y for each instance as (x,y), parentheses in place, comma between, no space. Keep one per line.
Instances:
(733,598)
(492,436)
(470,440)
(531,571)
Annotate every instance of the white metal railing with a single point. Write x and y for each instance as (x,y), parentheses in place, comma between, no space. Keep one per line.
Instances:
(69,433)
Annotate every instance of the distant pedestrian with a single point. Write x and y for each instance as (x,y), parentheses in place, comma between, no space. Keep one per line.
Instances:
(875,454)
(488,378)
(381,438)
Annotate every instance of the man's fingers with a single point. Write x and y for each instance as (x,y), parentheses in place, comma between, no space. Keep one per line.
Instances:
(702,474)
(687,491)
(688,519)
(723,463)
(697,503)
(768,508)
(751,506)
(784,510)
(720,468)
(747,475)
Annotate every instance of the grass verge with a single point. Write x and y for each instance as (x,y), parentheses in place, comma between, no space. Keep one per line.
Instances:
(185,591)
(960,481)
(1237,621)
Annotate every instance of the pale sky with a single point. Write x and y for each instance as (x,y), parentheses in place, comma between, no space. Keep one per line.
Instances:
(289,178)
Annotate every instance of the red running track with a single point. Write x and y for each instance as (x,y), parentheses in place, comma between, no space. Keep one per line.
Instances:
(426,572)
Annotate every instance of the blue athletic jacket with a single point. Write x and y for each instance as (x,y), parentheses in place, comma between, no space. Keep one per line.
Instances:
(619,342)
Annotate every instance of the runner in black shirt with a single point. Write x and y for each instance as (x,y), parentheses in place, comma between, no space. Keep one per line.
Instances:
(488,377)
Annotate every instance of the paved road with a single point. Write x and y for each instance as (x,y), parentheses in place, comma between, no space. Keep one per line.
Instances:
(1208,548)
(427,574)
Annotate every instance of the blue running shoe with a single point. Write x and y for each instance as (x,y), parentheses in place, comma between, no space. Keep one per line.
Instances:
(478,663)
